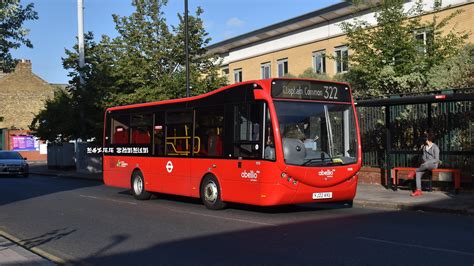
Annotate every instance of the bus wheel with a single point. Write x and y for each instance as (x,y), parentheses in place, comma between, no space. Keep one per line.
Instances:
(348,203)
(211,193)
(138,187)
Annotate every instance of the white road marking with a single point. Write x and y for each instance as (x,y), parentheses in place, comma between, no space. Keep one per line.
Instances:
(222,218)
(416,246)
(185,212)
(118,201)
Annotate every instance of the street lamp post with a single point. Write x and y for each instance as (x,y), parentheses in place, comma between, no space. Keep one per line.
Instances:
(186,45)
(80,46)
(80,37)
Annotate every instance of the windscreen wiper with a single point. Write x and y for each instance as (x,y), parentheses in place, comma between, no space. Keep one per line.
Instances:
(321,160)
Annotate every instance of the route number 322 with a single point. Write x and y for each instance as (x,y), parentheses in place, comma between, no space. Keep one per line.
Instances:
(330,93)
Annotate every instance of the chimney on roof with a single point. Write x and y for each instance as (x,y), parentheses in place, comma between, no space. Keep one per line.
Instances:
(23,65)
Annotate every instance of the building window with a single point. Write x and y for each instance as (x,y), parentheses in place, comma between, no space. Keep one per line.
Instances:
(282,67)
(342,59)
(225,72)
(238,75)
(319,62)
(266,69)
(423,38)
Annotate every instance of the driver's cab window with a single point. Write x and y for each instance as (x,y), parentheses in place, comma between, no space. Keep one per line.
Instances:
(307,131)
(269,152)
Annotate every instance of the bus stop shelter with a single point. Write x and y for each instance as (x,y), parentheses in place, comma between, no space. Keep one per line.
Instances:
(392,127)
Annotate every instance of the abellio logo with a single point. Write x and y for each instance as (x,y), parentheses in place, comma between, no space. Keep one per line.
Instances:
(250,175)
(327,172)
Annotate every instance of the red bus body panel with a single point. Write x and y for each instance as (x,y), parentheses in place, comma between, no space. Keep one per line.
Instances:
(256,182)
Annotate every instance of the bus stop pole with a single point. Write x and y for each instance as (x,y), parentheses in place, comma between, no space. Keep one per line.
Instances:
(388,147)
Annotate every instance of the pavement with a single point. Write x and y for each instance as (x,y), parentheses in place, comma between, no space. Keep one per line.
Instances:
(13,254)
(41,168)
(377,196)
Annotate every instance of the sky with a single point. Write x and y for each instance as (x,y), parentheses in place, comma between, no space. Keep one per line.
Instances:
(56,28)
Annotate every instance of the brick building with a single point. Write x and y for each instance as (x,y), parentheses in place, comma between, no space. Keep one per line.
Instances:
(303,42)
(22,96)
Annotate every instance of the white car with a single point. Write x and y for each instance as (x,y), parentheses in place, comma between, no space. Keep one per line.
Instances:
(12,163)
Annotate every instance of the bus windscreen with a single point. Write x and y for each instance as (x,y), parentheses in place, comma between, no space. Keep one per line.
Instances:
(310,90)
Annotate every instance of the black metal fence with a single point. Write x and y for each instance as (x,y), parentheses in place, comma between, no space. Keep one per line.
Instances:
(394,127)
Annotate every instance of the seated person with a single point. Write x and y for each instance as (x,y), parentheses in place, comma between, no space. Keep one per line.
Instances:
(294,132)
(311,143)
(270,149)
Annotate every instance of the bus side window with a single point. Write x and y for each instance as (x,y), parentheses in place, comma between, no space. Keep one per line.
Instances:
(120,129)
(159,133)
(178,133)
(247,130)
(141,128)
(209,132)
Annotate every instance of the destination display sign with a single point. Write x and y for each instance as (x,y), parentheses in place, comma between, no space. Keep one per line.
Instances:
(310,90)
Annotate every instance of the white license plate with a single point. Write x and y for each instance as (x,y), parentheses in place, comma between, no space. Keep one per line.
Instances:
(13,169)
(322,195)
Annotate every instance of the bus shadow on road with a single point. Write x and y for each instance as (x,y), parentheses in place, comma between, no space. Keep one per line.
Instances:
(365,239)
(308,207)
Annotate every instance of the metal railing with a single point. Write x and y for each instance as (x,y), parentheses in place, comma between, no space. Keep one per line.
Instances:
(448,115)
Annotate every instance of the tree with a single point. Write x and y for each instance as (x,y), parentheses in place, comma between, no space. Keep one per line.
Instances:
(58,120)
(310,74)
(143,63)
(61,119)
(389,58)
(204,68)
(455,72)
(12,32)
(149,56)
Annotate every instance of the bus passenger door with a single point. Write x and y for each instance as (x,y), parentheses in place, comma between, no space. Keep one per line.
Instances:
(178,146)
(246,150)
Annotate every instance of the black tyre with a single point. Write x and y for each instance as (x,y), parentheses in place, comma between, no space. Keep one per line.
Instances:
(348,203)
(138,187)
(211,193)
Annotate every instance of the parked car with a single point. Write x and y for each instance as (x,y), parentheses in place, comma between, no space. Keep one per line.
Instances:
(12,163)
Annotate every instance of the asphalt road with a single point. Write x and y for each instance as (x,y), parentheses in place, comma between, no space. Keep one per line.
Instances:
(85,222)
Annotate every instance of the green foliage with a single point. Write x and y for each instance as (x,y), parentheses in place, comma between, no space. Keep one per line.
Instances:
(77,112)
(57,121)
(310,74)
(12,33)
(149,56)
(388,58)
(456,72)
(144,63)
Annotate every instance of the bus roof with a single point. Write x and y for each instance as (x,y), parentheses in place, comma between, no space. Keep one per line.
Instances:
(260,82)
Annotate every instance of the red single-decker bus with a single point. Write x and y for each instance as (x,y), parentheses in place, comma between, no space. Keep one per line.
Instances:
(263,142)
